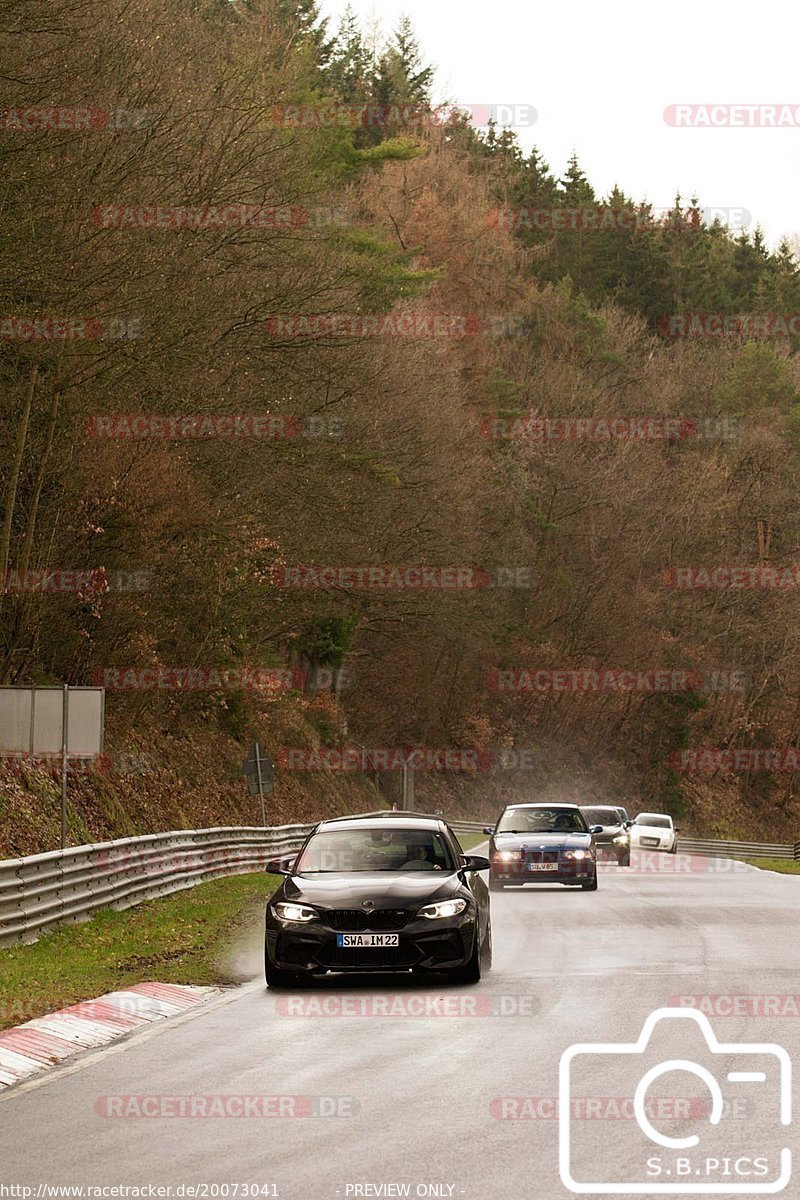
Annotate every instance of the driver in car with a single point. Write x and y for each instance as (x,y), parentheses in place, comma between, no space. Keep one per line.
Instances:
(418,860)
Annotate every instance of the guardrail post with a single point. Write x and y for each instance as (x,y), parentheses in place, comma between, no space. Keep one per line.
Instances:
(797,852)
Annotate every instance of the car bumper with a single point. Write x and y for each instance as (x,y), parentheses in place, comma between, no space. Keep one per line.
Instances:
(610,849)
(567,871)
(665,844)
(424,945)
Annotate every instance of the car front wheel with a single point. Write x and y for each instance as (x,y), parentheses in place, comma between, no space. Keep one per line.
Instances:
(487,948)
(275,977)
(471,971)
(591,886)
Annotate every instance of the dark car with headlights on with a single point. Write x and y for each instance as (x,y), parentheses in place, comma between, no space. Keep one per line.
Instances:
(542,843)
(376,894)
(614,841)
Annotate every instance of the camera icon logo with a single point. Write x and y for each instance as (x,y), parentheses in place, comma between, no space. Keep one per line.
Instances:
(680,1162)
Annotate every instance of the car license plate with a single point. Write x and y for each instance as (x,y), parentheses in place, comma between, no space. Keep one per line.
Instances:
(651,842)
(542,866)
(358,941)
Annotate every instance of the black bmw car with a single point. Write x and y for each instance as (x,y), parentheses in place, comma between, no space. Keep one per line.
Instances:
(379,893)
(542,843)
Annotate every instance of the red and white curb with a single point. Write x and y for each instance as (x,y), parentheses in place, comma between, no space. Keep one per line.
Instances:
(27,1049)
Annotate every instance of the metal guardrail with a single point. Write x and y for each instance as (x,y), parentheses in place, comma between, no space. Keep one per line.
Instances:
(723,849)
(45,890)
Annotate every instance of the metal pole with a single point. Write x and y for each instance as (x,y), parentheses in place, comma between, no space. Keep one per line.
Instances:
(33,723)
(260,786)
(64,749)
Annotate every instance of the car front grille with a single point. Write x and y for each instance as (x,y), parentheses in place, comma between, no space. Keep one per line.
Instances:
(538,856)
(356,920)
(400,956)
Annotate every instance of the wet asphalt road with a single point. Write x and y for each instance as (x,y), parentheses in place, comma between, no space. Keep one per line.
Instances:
(394,1089)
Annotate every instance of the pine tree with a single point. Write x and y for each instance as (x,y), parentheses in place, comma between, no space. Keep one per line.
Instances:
(575,187)
(541,185)
(402,79)
(349,73)
(306,25)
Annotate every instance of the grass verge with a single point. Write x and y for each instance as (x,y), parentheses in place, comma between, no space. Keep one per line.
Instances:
(468,841)
(784,865)
(177,939)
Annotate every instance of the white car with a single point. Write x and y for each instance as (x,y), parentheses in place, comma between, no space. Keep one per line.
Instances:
(654,831)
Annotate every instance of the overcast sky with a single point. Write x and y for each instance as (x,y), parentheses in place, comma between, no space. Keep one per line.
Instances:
(601,74)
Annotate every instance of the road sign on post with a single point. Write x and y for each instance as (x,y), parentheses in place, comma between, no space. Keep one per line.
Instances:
(54,723)
(259,771)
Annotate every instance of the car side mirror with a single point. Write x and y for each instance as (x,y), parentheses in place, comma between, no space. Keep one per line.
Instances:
(488,829)
(474,862)
(276,867)
(595,829)
(628,824)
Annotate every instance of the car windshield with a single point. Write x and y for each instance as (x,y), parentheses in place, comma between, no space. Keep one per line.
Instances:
(542,820)
(655,822)
(601,816)
(375,849)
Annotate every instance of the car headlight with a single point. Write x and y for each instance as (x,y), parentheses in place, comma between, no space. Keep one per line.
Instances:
(577,854)
(508,855)
(294,912)
(445,908)
(621,839)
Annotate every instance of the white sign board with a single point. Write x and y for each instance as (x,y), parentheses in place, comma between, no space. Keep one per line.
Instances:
(32,720)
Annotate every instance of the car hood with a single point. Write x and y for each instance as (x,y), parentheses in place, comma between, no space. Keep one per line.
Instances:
(384,888)
(653,830)
(533,841)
